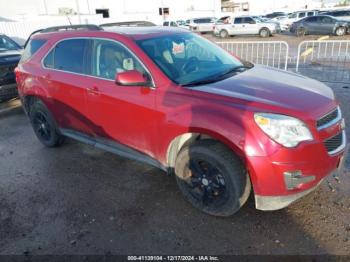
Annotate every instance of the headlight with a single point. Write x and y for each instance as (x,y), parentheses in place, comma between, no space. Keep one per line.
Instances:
(285,130)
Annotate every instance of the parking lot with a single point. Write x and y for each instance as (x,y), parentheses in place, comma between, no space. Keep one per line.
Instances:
(79,200)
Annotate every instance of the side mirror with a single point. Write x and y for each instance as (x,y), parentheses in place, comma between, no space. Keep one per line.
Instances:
(131,78)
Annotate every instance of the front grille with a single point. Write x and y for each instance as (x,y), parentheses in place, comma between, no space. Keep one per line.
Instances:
(334,142)
(328,118)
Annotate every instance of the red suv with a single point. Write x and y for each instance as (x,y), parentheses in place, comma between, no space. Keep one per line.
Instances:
(174,100)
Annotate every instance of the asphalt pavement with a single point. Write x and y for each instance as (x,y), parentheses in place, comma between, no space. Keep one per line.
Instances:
(76,199)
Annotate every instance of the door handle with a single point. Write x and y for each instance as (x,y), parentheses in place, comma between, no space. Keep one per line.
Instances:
(93,90)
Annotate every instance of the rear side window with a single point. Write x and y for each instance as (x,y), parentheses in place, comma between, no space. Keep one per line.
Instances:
(238,20)
(311,19)
(247,20)
(68,55)
(32,47)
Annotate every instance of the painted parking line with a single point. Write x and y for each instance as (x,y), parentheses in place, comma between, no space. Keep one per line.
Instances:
(311,49)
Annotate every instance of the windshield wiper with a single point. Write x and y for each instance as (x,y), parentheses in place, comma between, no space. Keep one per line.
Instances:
(216,78)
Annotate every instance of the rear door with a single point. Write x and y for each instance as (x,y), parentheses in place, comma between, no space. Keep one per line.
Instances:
(65,78)
(326,25)
(237,26)
(311,24)
(205,25)
(249,26)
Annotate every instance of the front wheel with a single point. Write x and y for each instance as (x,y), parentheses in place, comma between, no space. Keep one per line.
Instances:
(212,178)
(223,34)
(340,31)
(44,125)
(264,32)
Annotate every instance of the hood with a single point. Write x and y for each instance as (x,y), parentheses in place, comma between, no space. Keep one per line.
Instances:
(275,87)
(10,57)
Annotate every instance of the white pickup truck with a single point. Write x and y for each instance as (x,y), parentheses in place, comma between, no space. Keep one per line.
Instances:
(245,25)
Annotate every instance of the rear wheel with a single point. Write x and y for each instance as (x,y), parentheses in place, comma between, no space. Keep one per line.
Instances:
(300,31)
(212,178)
(340,31)
(264,32)
(44,125)
(223,34)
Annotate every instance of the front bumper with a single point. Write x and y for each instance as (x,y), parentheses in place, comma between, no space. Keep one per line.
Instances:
(268,203)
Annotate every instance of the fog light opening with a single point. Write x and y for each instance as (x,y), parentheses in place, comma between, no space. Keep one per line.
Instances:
(294,179)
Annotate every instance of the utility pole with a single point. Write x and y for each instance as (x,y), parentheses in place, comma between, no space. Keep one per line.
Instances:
(78,11)
(45,7)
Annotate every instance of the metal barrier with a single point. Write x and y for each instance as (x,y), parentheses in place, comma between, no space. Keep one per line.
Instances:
(325,60)
(270,53)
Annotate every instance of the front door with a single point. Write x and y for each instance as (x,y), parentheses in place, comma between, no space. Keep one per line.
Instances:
(125,114)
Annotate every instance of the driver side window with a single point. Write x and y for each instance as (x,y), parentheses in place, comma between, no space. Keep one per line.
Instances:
(110,58)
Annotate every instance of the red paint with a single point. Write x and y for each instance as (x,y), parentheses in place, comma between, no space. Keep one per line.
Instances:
(149,119)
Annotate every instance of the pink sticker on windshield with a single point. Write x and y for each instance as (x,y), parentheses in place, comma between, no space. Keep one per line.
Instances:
(178,48)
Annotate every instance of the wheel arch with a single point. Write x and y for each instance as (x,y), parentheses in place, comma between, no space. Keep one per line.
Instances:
(187,138)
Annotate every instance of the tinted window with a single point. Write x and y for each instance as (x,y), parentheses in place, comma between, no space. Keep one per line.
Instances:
(110,58)
(302,15)
(173,24)
(343,13)
(311,19)
(310,13)
(31,48)
(247,20)
(7,43)
(238,20)
(326,20)
(165,23)
(68,55)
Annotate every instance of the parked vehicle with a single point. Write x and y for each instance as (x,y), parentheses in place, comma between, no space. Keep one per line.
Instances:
(10,54)
(275,14)
(294,17)
(176,23)
(175,100)
(322,24)
(245,25)
(340,14)
(128,23)
(201,25)
(278,18)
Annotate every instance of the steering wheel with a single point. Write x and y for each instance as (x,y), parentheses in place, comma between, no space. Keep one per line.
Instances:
(190,65)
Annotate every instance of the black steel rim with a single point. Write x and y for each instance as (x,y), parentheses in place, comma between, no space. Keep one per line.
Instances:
(206,183)
(41,126)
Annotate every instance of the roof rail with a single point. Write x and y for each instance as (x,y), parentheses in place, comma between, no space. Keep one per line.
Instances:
(64,27)
(129,23)
(71,27)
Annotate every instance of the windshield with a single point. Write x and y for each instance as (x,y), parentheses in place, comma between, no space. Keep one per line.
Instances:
(7,44)
(293,15)
(188,58)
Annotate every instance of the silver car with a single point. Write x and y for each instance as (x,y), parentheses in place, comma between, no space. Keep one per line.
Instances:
(245,25)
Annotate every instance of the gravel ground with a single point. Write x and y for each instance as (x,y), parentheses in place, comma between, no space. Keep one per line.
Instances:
(80,200)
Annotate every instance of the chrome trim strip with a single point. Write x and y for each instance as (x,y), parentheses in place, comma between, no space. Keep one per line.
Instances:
(341,147)
(334,121)
(92,38)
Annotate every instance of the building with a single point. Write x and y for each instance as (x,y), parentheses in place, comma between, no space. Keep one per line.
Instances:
(112,10)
